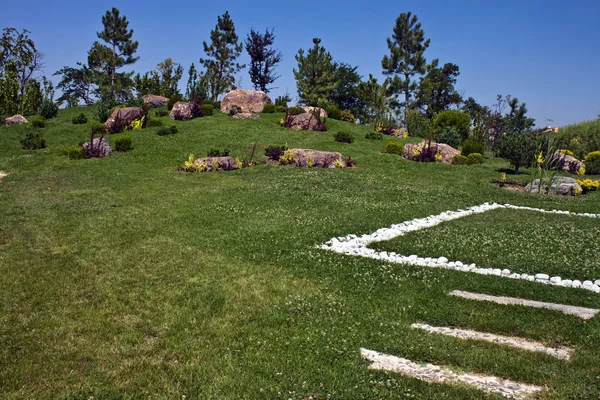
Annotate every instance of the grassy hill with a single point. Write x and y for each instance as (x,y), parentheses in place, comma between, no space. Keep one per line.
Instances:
(125,278)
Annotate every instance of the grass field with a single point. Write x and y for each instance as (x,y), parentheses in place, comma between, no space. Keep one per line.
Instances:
(124,278)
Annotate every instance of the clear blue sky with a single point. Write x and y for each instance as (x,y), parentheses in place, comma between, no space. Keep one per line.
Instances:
(545,52)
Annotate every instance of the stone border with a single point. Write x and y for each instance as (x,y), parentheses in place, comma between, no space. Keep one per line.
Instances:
(357,246)
(511,341)
(434,373)
(2,175)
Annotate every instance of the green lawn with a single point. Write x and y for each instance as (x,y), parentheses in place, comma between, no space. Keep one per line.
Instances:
(124,278)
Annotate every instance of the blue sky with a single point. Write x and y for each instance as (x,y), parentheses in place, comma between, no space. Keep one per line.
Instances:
(545,52)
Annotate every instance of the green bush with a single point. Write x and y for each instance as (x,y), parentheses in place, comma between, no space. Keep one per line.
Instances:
(154,123)
(74,153)
(38,122)
(269,108)
(582,137)
(102,111)
(136,102)
(343,137)
(98,128)
(347,116)
(519,148)
(207,109)
(393,147)
(296,110)
(474,158)
(373,135)
(449,135)
(592,163)
(167,131)
(123,143)
(471,146)
(274,152)
(334,112)
(233,111)
(161,113)
(217,153)
(458,120)
(48,109)
(173,100)
(217,105)
(460,160)
(418,124)
(280,109)
(80,119)
(33,141)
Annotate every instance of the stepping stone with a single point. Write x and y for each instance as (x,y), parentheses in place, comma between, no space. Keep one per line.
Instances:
(581,312)
(435,373)
(524,344)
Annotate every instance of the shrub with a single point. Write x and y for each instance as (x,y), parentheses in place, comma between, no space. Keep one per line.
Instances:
(74,153)
(343,137)
(161,113)
(449,135)
(460,160)
(334,112)
(373,135)
(154,123)
(592,163)
(123,143)
(207,109)
(458,120)
(217,153)
(393,147)
(418,124)
(216,105)
(48,109)
(474,158)
(386,125)
(233,111)
(296,111)
(174,99)
(583,137)
(287,158)
(269,108)
(33,141)
(38,122)
(79,120)
(274,152)
(136,102)
(347,116)
(471,146)
(588,185)
(167,131)
(103,111)
(98,128)
(519,148)
(280,109)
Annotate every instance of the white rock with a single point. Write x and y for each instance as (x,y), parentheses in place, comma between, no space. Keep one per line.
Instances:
(576,284)
(587,284)
(556,280)
(531,278)
(567,282)
(497,271)
(458,264)
(506,272)
(597,282)
(542,277)
(524,276)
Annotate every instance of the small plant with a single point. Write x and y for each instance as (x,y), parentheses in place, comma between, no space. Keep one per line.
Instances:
(503,179)
(167,131)
(174,99)
(208,110)
(215,164)
(386,125)
(74,153)
(438,157)
(190,164)
(310,160)
(98,128)
(123,143)
(474,158)
(38,122)
(239,163)
(79,120)
(394,147)
(287,158)
(471,146)
(373,135)
(102,111)
(33,141)
(588,185)
(280,109)
(343,137)
(274,152)
(350,162)
(269,108)
(154,123)
(347,116)
(233,111)
(339,163)
(48,109)
(161,113)
(136,124)
(460,160)
(334,112)
(217,153)
(592,163)
(296,111)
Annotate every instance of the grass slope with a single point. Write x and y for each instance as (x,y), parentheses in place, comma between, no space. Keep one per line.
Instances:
(123,278)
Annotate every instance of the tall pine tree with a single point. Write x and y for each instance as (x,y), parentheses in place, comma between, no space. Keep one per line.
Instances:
(263,59)
(406,59)
(315,79)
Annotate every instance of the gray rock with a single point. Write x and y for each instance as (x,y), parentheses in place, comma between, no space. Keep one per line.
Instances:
(98,149)
(17,119)
(560,186)
(245,116)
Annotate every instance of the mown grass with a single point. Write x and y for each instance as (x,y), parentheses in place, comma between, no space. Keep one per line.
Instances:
(124,278)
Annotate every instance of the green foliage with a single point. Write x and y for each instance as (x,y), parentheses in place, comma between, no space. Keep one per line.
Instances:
(263,59)
(334,112)
(75,85)
(154,123)
(583,137)
(38,121)
(373,98)
(280,109)
(460,160)
(436,91)
(418,124)
(161,113)
(102,111)
(207,110)
(296,110)
(475,158)
(33,141)
(269,108)
(518,148)
(459,120)
(347,116)
(48,109)
(343,137)
(163,81)
(79,120)
(588,185)
(167,131)
(471,146)
(74,153)
(448,135)
(123,143)
(136,102)
(373,135)
(394,147)
(314,76)
(274,152)
(282,101)
(345,94)
(173,100)
(592,163)
(98,129)
(217,153)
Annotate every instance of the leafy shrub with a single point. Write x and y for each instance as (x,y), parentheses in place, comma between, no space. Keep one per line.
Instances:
(233,111)
(216,105)
(583,137)
(460,160)
(283,101)
(471,146)
(592,163)
(474,158)
(123,143)
(98,128)
(393,147)
(287,158)
(347,116)
(519,148)
(274,152)
(38,122)
(102,111)
(296,111)
(334,112)
(74,153)
(386,125)
(154,123)
(373,135)
(218,153)
(280,109)
(48,109)
(418,124)
(33,141)
(161,113)
(343,137)
(458,120)
(167,131)
(79,120)
(588,185)
(269,108)
(448,135)
(174,99)
(136,102)
(207,109)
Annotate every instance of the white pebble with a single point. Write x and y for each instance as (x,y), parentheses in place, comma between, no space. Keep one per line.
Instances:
(556,280)
(576,284)
(542,277)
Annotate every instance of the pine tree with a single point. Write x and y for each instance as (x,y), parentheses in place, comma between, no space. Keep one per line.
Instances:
(406,58)
(118,52)
(315,79)
(263,59)
(436,92)
(224,49)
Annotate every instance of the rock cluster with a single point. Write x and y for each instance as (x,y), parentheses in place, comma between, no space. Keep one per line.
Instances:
(247,101)
(121,117)
(413,151)
(560,186)
(304,122)
(208,164)
(152,100)
(312,110)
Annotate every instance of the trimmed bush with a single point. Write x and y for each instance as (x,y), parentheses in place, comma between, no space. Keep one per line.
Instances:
(274,152)
(79,120)
(474,158)
(48,109)
(154,123)
(207,109)
(74,153)
(471,146)
(373,135)
(458,120)
(460,160)
(33,141)
(334,112)
(38,122)
(347,116)
(123,143)
(418,124)
(449,136)
(269,108)
(217,153)
(296,111)
(167,131)
(343,137)
(161,113)
(393,147)
(280,109)
(592,163)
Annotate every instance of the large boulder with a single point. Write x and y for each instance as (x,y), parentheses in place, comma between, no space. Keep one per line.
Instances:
(122,117)
(15,120)
(322,159)
(182,111)
(99,148)
(247,101)
(215,164)
(246,116)
(414,151)
(568,163)
(313,110)
(152,100)
(560,186)
(304,122)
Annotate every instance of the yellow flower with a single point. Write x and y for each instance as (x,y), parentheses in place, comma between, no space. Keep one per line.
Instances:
(540,158)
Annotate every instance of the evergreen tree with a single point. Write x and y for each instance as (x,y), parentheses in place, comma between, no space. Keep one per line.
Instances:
(118,52)
(406,59)
(192,81)
(344,95)
(315,79)
(436,92)
(263,59)
(374,99)
(163,81)
(224,49)
(76,85)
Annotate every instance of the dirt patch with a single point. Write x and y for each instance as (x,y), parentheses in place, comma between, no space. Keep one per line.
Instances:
(511,186)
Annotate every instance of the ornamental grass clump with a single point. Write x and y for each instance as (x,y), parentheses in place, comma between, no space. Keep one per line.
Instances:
(343,137)
(393,147)
(123,143)
(167,131)
(33,141)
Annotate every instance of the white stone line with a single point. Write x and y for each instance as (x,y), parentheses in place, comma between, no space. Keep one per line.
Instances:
(512,341)
(434,373)
(581,312)
(2,174)
(357,246)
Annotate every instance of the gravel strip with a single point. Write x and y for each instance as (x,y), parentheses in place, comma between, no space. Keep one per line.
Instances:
(581,312)
(512,341)
(434,373)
